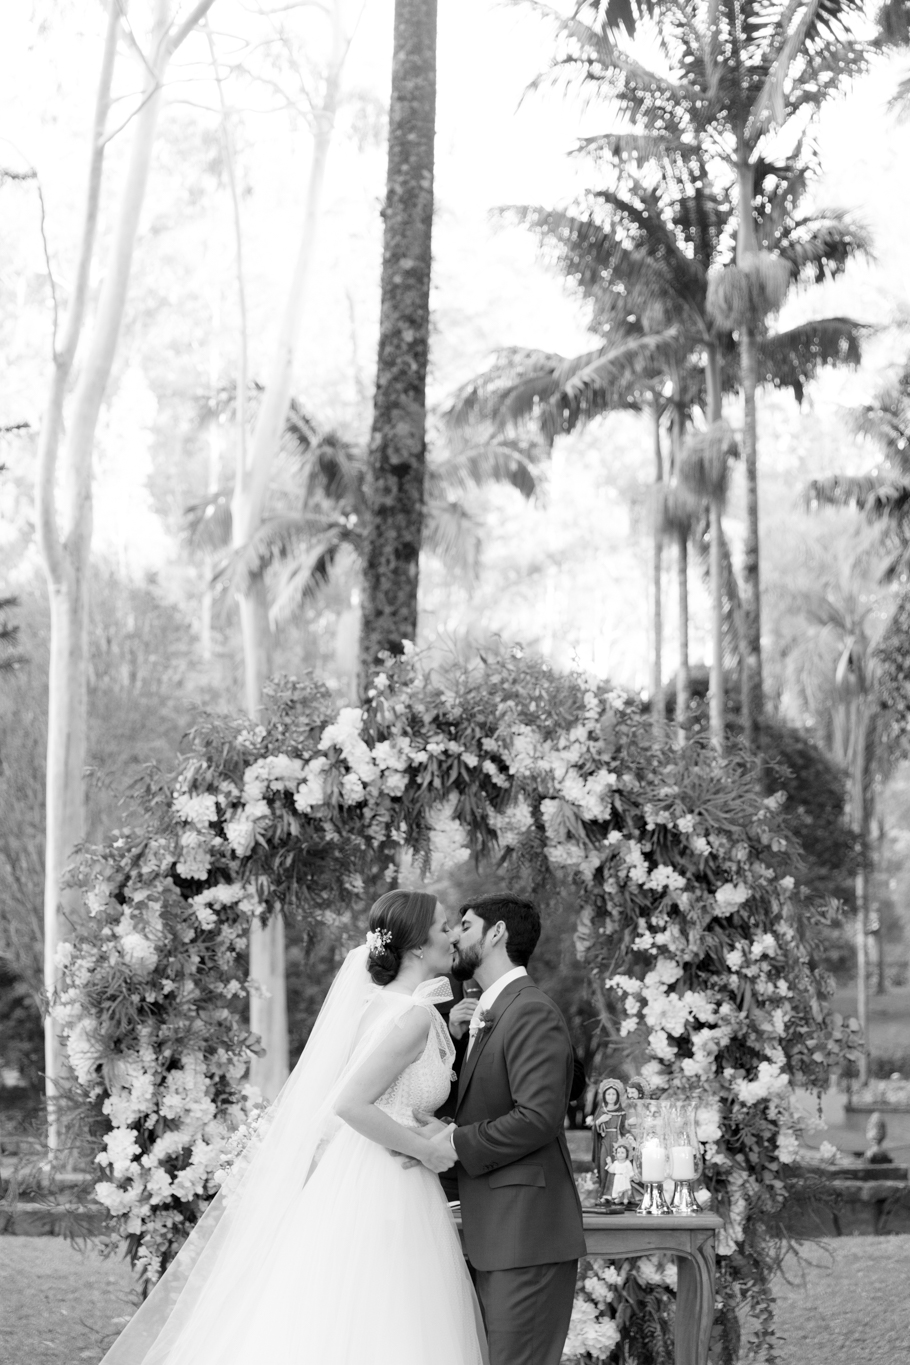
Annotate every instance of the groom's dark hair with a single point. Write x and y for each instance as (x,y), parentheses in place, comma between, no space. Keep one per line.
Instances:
(520,917)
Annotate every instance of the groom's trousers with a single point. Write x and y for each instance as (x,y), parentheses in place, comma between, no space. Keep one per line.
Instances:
(526,1311)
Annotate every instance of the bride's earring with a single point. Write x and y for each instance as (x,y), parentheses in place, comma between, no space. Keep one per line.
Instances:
(419,952)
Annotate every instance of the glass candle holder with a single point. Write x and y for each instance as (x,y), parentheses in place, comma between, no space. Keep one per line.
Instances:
(653,1158)
(685,1158)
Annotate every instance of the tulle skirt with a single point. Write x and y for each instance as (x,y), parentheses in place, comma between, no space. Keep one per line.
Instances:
(365,1268)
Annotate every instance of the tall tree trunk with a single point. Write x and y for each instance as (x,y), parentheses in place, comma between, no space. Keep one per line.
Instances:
(677,436)
(716,697)
(65,797)
(862,955)
(268,1009)
(65,540)
(746,246)
(397,457)
(682,675)
(657,688)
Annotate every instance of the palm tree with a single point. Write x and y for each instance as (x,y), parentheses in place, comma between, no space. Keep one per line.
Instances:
(832,671)
(741,72)
(883,495)
(314,523)
(643,259)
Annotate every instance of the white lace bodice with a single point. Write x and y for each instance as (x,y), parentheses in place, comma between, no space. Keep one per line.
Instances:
(423,1086)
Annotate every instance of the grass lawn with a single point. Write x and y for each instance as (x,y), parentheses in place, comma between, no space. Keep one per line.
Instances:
(60,1306)
(889,1018)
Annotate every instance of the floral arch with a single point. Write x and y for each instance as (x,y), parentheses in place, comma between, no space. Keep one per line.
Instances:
(688,915)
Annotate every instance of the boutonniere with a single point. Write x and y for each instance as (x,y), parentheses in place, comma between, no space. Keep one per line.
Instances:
(483,1017)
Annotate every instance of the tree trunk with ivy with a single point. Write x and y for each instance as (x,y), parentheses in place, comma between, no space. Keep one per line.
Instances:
(397,457)
(657,690)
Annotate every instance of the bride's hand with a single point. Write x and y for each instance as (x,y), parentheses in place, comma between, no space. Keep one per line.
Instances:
(439,1155)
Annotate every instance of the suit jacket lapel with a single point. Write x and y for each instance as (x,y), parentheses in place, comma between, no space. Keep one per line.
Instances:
(497,1009)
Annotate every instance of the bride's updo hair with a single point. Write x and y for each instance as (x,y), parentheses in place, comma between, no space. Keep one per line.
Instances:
(401,920)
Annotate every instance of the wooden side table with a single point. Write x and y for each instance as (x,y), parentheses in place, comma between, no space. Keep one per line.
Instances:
(691,1241)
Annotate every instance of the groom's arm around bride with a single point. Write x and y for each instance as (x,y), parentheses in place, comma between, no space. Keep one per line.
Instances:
(521,1214)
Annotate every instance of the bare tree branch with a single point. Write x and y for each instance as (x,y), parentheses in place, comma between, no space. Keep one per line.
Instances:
(150,94)
(195,16)
(32,174)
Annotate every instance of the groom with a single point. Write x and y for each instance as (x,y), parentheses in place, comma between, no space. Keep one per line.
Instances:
(520,1210)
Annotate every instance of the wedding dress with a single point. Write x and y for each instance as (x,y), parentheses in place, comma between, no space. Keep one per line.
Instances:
(323,1249)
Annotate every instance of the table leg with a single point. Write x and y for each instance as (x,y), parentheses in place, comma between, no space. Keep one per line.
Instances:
(694,1303)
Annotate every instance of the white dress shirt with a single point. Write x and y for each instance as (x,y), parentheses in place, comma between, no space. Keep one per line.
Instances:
(484,1003)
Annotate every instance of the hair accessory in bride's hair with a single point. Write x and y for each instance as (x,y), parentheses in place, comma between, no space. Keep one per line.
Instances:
(377,940)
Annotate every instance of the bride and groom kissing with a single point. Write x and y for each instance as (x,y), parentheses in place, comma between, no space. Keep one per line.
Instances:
(332,1242)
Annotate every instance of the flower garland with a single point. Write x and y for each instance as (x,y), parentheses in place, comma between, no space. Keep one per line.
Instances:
(689,917)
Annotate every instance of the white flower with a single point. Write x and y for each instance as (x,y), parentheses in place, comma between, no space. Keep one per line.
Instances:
(770,1081)
(118,1201)
(195,855)
(200,811)
(787,1146)
(661,1046)
(352,790)
(311,791)
(64,955)
(729,896)
(667,1012)
(241,835)
(664,972)
(138,953)
(827,1151)
(84,1051)
(591,1333)
(120,1148)
(345,734)
(765,946)
(665,876)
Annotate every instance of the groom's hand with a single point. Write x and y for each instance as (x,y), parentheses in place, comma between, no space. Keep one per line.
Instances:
(460,1016)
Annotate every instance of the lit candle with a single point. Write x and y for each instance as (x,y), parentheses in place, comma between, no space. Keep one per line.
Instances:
(653,1161)
(682,1163)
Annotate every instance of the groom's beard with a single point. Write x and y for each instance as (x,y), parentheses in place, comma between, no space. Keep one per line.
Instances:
(466,962)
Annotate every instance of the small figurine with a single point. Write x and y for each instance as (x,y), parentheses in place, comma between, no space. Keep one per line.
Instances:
(637,1089)
(622,1170)
(607,1124)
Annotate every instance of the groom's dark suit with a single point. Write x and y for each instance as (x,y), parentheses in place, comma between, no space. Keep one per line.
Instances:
(520,1209)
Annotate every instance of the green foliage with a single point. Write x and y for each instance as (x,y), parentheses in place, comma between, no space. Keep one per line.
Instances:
(685,907)
(892,680)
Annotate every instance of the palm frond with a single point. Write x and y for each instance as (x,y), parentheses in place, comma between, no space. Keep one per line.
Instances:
(842,490)
(284,537)
(792,359)
(207,522)
(886,421)
(453,536)
(468,466)
(818,248)
(302,578)
(616,369)
(507,393)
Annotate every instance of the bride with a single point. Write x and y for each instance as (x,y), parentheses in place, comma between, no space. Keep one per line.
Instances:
(322,1248)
